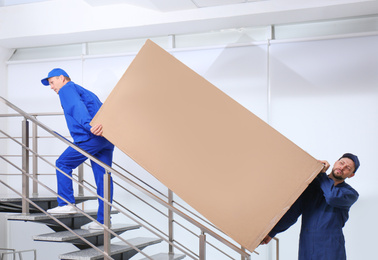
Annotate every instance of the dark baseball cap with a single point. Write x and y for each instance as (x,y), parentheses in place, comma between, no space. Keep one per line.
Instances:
(354,158)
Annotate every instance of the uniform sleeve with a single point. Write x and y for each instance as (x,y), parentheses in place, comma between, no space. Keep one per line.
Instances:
(290,217)
(74,106)
(339,196)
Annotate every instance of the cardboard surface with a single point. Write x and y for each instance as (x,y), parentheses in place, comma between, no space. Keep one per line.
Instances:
(229,165)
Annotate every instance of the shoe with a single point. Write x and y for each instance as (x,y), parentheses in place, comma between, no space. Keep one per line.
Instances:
(94,226)
(67,209)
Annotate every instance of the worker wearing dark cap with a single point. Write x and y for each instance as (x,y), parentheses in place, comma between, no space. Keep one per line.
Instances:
(80,106)
(324,207)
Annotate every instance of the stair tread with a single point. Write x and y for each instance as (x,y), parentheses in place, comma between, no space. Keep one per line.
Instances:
(166,256)
(42,216)
(116,248)
(63,236)
(14,204)
(17,199)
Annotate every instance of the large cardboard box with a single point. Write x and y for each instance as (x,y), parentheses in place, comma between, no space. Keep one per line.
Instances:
(229,165)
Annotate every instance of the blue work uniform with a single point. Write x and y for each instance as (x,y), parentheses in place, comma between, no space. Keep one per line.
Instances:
(325,209)
(80,106)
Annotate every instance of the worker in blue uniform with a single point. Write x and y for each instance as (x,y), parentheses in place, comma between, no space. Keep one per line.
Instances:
(324,207)
(80,106)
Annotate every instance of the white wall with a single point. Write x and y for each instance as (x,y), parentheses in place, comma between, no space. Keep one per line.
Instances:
(4,56)
(324,99)
(320,94)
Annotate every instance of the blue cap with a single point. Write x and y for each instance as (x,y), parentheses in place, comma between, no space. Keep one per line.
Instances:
(54,73)
(354,158)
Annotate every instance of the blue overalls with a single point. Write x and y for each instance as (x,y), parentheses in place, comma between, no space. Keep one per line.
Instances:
(80,106)
(324,208)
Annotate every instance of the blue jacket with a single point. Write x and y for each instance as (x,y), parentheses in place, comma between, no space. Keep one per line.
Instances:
(80,106)
(325,209)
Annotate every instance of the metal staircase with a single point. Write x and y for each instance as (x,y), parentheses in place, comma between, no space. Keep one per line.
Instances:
(74,222)
(109,243)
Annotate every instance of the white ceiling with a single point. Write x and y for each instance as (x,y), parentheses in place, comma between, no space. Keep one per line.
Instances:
(171,5)
(30,23)
(162,5)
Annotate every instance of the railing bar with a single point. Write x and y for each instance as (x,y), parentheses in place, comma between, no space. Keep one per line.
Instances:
(141,180)
(107,196)
(197,216)
(39,137)
(191,251)
(35,158)
(202,246)
(119,204)
(277,248)
(204,220)
(207,222)
(120,186)
(33,114)
(20,252)
(190,231)
(165,196)
(15,155)
(141,199)
(25,165)
(19,174)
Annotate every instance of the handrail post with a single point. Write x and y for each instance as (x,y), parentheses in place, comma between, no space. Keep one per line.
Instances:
(25,166)
(202,246)
(81,179)
(242,256)
(277,248)
(107,237)
(170,222)
(35,159)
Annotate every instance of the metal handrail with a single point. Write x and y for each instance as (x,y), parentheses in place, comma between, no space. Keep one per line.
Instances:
(106,227)
(204,229)
(125,170)
(14,252)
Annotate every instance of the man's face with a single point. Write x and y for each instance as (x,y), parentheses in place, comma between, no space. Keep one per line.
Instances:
(343,168)
(56,83)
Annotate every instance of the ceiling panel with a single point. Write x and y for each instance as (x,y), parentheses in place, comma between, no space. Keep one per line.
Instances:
(208,3)
(19,2)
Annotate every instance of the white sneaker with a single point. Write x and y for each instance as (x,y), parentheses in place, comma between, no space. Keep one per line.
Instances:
(93,225)
(67,209)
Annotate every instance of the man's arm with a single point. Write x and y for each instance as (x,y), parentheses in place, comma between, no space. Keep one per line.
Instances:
(74,106)
(289,219)
(338,196)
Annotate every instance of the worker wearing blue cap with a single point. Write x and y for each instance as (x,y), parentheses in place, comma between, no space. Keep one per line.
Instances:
(80,106)
(324,207)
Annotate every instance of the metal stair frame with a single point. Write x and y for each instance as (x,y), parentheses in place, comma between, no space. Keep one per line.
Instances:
(108,232)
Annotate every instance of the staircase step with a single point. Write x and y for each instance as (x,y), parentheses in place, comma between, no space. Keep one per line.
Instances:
(166,256)
(96,237)
(15,204)
(73,221)
(118,250)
